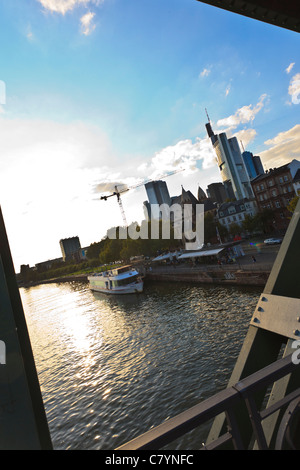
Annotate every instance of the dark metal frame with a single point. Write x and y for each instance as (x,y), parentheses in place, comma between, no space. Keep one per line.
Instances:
(23,418)
(256,366)
(227,401)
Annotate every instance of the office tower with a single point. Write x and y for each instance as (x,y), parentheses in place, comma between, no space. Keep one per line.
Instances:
(258,165)
(147,210)
(158,193)
(216,192)
(71,249)
(230,164)
(253,164)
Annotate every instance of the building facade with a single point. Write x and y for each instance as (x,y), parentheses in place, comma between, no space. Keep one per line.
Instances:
(234,212)
(253,164)
(71,249)
(231,165)
(216,192)
(274,190)
(296,183)
(158,193)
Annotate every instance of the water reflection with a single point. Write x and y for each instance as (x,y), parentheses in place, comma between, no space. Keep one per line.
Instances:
(110,367)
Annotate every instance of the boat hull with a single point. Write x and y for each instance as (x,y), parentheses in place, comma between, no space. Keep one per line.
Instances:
(128,289)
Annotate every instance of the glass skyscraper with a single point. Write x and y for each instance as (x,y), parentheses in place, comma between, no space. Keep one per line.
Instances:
(233,172)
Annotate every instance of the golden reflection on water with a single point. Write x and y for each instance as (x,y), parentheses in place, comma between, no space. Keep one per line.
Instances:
(109,367)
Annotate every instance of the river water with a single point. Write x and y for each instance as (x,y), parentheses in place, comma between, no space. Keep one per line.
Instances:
(110,368)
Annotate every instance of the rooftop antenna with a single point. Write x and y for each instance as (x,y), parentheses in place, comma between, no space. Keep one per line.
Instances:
(207,115)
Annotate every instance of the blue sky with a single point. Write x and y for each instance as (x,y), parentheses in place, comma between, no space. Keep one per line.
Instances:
(109,91)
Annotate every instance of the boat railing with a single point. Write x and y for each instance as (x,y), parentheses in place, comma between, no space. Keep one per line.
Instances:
(240,398)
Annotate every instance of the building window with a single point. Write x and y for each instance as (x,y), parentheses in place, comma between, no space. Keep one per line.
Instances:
(280,179)
(285,178)
(262,186)
(274,192)
(277,204)
(271,182)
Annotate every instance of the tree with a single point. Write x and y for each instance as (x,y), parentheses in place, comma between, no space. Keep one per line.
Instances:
(234,228)
(249,224)
(292,204)
(264,220)
(94,250)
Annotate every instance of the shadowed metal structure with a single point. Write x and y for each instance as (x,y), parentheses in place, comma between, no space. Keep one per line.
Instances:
(23,419)
(260,407)
(283,13)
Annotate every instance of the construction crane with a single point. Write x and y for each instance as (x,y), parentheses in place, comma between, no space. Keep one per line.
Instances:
(118,192)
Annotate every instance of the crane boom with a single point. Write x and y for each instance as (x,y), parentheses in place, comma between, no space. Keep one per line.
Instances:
(118,192)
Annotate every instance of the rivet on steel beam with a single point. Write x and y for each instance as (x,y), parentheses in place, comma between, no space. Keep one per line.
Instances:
(260,309)
(296,332)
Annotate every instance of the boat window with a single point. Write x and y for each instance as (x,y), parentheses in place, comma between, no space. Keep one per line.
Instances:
(127,280)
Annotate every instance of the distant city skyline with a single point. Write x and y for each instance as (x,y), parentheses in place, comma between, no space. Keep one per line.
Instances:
(94,93)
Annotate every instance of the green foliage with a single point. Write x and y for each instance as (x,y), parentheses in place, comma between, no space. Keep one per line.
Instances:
(249,223)
(292,204)
(123,249)
(210,229)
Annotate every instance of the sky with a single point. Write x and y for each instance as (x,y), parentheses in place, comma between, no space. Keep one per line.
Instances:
(99,92)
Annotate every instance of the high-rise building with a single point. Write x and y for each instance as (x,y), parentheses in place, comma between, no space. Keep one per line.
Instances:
(158,193)
(216,192)
(253,164)
(230,164)
(71,249)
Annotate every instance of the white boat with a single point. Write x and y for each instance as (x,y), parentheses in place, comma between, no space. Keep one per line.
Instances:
(123,280)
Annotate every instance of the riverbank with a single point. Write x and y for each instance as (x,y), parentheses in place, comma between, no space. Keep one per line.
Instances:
(244,271)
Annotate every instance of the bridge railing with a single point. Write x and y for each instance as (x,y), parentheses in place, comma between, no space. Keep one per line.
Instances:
(229,402)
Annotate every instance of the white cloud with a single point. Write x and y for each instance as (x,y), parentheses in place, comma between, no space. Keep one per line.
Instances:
(284,147)
(185,154)
(227,91)
(243,115)
(205,72)
(29,34)
(294,89)
(62,6)
(289,68)
(86,23)
(245,136)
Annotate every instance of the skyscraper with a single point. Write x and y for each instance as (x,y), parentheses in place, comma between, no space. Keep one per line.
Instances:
(71,249)
(217,193)
(231,166)
(253,164)
(158,193)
